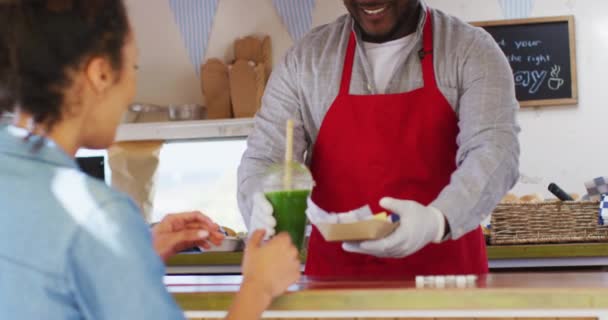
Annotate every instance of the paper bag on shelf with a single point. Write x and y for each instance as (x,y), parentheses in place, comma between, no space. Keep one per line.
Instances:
(258,50)
(134,166)
(267,57)
(215,85)
(247,83)
(249,49)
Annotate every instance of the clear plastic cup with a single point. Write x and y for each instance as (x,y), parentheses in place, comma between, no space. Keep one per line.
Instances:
(289,200)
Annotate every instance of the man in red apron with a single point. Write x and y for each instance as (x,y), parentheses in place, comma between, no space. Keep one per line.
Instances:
(406,152)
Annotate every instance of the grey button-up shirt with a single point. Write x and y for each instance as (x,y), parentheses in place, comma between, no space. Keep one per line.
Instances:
(472,73)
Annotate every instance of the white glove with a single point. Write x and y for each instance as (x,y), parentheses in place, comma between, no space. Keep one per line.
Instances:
(419,225)
(317,215)
(261,216)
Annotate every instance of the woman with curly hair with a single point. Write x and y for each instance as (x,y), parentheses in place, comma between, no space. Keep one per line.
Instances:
(70,246)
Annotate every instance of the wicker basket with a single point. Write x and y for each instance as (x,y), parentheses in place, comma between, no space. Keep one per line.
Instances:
(547,222)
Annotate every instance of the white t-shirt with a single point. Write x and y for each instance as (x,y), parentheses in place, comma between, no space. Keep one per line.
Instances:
(384,58)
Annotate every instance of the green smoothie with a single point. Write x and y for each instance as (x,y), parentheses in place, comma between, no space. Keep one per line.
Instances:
(290,213)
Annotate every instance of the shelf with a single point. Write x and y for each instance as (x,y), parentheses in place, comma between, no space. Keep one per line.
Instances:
(539,251)
(185,130)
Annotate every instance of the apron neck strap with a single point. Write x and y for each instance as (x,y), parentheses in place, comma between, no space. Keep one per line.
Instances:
(426,54)
(347,70)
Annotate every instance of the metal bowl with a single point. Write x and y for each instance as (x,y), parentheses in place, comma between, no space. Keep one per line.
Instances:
(229,244)
(139,112)
(187,112)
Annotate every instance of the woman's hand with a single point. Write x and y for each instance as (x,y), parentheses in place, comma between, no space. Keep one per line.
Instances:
(272,266)
(180,231)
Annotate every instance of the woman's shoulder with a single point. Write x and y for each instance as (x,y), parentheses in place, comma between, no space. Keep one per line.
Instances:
(105,218)
(83,193)
(95,209)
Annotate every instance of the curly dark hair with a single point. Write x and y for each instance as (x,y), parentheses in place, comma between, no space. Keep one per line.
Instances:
(43,41)
(6,76)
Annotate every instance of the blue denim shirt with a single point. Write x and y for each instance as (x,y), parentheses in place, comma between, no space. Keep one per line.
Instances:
(70,246)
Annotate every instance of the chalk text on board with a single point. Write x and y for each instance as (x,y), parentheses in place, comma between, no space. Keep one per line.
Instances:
(527,44)
(539,59)
(535,60)
(519,44)
(532,80)
(514,58)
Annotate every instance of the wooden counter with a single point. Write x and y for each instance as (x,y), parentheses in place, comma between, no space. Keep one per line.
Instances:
(495,295)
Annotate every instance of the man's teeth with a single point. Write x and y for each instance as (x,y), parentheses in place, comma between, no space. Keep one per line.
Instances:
(376,11)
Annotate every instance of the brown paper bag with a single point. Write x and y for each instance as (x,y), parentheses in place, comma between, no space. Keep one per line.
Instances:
(256,49)
(247,84)
(133,166)
(216,89)
(249,49)
(267,57)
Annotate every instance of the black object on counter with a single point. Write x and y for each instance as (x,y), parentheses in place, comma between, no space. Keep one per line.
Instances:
(559,193)
(93,166)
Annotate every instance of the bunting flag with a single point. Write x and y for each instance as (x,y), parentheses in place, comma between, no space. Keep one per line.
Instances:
(296,15)
(194,19)
(516,9)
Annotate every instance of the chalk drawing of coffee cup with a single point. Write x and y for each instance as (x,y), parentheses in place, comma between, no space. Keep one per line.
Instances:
(555,82)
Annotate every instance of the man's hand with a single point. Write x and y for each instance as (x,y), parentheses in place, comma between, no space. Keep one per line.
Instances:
(419,226)
(261,216)
(180,231)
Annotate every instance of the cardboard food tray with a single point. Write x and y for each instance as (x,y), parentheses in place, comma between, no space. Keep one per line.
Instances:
(358,231)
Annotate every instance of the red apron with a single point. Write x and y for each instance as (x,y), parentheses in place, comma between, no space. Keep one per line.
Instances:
(389,145)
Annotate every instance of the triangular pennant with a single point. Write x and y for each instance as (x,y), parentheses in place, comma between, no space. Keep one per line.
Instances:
(194,19)
(296,15)
(516,9)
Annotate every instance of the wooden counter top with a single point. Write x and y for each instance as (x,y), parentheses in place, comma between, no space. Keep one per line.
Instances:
(575,250)
(527,291)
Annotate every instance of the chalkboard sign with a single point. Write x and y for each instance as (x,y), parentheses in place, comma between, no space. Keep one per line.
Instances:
(542,54)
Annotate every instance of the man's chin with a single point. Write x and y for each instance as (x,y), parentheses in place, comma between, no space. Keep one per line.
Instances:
(376,35)
(377,31)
